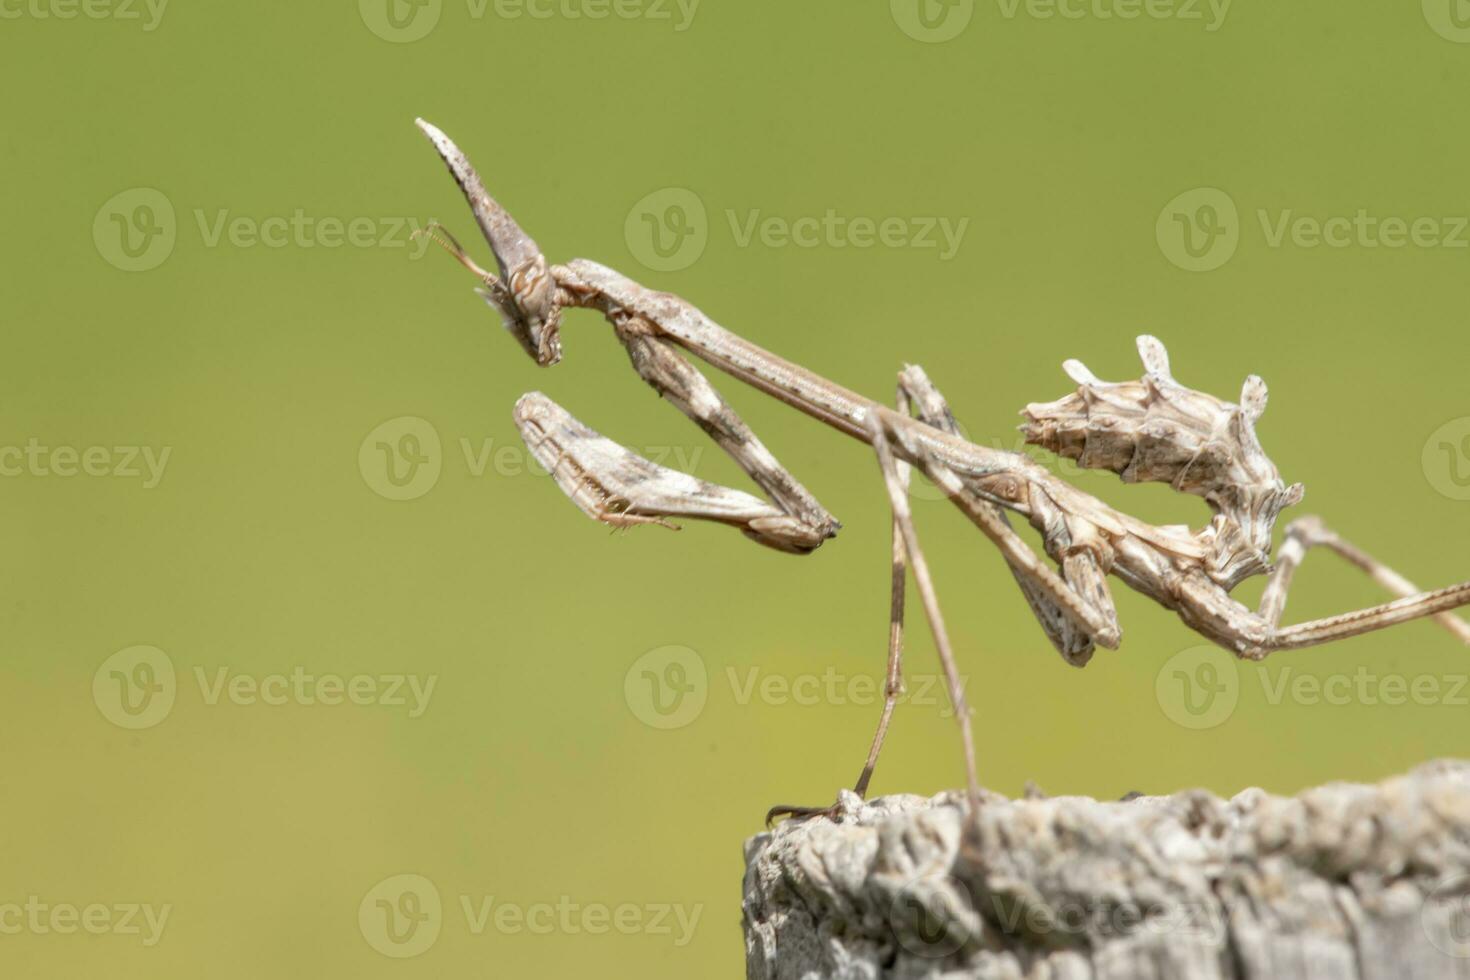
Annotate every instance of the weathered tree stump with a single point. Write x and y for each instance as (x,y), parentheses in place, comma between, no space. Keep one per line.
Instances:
(1342,881)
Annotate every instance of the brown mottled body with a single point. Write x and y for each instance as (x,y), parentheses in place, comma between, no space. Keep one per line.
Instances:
(1157,430)
(1153,429)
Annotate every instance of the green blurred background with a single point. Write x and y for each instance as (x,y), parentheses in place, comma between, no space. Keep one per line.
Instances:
(541,771)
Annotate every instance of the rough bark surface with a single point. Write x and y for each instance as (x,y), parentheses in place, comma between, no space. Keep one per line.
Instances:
(1342,881)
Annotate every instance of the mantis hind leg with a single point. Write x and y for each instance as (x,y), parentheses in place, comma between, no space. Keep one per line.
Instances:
(913,389)
(1306,533)
(1075,609)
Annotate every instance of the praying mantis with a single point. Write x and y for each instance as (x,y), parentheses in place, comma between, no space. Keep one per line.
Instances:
(1152,429)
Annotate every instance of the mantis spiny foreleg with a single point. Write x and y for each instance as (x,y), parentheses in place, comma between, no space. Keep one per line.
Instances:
(804,524)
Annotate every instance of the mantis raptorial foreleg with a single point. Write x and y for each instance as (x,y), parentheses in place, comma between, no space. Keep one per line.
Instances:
(803,523)
(616,486)
(1306,533)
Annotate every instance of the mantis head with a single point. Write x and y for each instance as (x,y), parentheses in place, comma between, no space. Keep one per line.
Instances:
(524,292)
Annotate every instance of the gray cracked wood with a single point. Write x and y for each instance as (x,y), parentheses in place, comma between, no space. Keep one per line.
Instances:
(1342,881)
